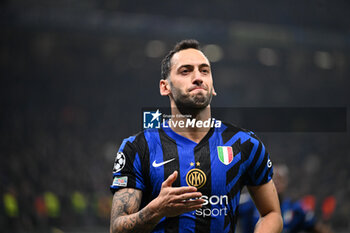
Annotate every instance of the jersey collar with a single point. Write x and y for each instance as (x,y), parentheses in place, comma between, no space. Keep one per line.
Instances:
(179,139)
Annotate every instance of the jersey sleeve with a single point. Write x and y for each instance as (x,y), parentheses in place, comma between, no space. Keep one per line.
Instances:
(259,168)
(127,169)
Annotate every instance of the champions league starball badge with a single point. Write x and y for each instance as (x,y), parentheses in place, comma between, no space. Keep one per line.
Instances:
(119,162)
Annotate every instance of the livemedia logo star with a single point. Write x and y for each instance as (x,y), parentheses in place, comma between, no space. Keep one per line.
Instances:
(151,119)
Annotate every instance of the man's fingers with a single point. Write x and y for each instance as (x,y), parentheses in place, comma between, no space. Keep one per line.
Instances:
(170,180)
(189,196)
(190,204)
(182,190)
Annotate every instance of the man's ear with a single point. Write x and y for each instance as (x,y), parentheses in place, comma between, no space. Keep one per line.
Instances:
(214,92)
(164,87)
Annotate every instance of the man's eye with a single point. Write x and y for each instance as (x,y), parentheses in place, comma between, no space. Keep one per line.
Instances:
(184,71)
(205,71)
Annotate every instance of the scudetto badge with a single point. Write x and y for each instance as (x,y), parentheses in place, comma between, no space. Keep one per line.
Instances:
(196,178)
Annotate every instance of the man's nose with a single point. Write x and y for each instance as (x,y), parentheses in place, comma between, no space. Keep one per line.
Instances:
(197,78)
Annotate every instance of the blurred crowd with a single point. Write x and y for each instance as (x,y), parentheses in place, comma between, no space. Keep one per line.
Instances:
(52,178)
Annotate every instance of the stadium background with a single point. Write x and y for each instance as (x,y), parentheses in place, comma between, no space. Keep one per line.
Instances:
(75,74)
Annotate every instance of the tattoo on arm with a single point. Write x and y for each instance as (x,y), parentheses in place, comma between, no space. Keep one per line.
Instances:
(125,214)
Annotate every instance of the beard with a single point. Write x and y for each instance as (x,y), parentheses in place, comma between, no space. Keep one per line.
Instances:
(188,103)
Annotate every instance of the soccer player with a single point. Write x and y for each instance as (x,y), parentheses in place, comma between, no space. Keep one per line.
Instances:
(189,179)
(295,217)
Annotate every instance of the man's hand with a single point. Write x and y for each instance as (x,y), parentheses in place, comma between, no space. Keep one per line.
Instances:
(173,201)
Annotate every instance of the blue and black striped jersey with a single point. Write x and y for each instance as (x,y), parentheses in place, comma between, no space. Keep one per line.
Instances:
(220,165)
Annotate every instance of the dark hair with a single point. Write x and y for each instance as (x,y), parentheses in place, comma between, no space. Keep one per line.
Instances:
(182,45)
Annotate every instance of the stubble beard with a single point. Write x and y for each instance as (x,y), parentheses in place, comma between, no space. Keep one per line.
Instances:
(191,104)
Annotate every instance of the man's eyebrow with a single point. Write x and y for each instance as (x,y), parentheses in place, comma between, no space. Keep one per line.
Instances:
(191,66)
(185,66)
(204,65)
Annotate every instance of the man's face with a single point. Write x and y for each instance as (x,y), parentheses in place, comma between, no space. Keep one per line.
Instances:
(191,82)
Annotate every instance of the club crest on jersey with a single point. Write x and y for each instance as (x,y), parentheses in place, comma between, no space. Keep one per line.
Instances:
(196,178)
(225,154)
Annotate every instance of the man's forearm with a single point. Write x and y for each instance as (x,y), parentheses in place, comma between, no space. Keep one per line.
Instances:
(126,216)
(266,201)
(142,221)
(270,223)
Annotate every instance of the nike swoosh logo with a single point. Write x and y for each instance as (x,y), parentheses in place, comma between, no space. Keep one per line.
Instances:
(155,164)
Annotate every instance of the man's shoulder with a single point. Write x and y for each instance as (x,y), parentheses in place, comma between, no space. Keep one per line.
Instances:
(134,141)
(232,129)
(142,138)
(133,137)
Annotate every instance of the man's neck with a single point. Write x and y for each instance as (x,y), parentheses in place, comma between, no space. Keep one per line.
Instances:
(195,133)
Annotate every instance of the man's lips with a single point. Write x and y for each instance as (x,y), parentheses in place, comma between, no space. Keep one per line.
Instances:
(197,88)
